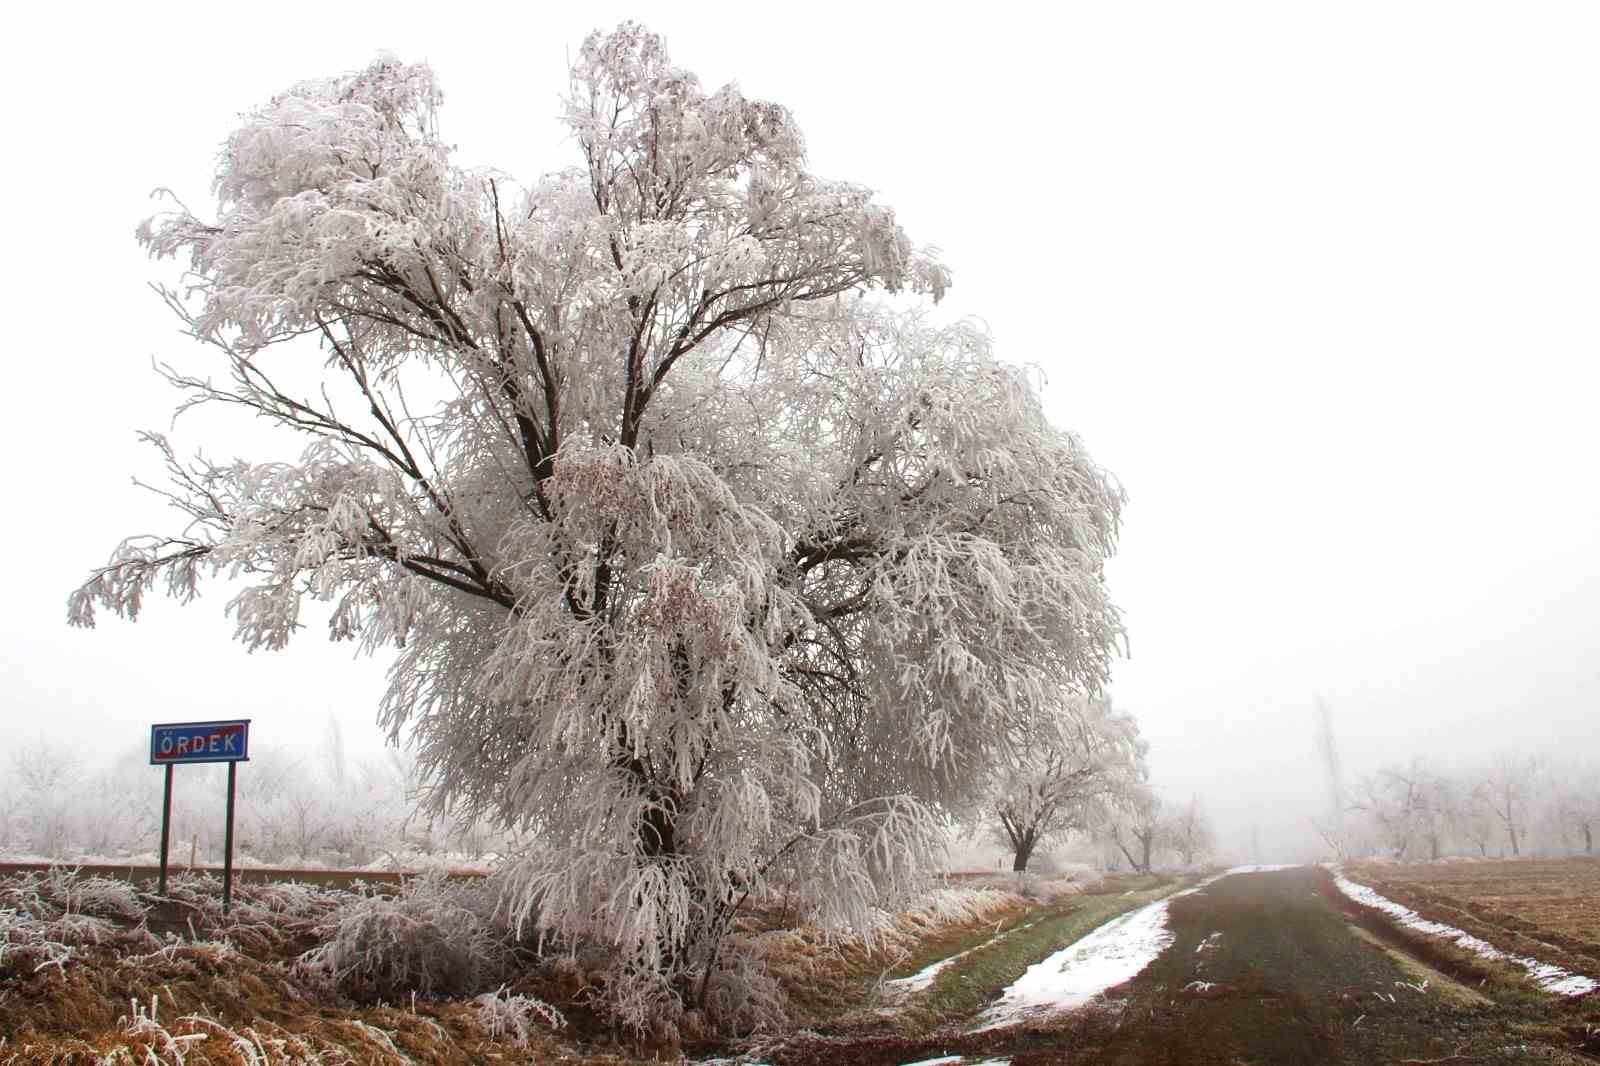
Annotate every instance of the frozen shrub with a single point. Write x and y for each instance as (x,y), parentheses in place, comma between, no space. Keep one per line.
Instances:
(740,997)
(501,1015)
(27,945)
(98,897)
(44,917)
(293,899)
(435,938)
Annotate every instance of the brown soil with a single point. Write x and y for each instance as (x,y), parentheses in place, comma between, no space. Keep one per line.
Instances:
(1546,908)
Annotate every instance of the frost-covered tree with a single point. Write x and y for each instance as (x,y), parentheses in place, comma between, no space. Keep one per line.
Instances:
(41,781)
(1188,832)
(1074,769)
(1507,785)
(1402,803)
(1577,802)
(703,563)
(1140,830)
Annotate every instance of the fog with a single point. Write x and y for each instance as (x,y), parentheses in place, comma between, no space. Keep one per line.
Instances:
(1317,285)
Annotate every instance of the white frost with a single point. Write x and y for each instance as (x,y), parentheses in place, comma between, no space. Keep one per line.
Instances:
(1547,976)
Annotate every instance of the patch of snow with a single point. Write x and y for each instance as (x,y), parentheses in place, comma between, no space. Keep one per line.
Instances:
(905,986)
(942,1060)
(1115,952)
(1549,977)
(1271,869)
(1208,942)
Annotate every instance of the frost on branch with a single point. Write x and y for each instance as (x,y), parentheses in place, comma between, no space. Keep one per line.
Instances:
(705,568)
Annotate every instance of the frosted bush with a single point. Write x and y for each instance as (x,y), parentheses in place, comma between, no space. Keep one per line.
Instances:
(44,917)
(502,1015)
(741,996)
(26,944)
(100,897)
(435,938)
(294,899)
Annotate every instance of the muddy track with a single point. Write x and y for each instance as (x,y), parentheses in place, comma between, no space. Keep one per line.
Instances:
(1267,968)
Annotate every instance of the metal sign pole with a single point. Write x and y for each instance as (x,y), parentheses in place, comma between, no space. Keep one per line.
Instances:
(166,829)
(200,742)
(227,845)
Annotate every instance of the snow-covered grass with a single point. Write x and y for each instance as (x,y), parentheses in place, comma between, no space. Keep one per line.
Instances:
(1546,976)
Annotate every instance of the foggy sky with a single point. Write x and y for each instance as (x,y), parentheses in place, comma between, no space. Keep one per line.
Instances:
(1318,286)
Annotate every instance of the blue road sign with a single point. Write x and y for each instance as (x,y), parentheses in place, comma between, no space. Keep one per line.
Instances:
(186,742)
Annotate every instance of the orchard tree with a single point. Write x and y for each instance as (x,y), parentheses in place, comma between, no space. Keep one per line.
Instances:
(1401,803)
(1189,832)
(1507,785)
(705,565)
(1140,830)
(1075,767)
(1472,818)
(1577,802)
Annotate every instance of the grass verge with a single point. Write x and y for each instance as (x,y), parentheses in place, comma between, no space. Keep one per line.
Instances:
(974,981)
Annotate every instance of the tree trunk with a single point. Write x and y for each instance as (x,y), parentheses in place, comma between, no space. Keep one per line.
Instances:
(1133,862)
(1025,847)
(1144,867)
(1588,839)
(1511,831)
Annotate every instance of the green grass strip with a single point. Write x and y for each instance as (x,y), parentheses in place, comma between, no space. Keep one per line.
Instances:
(972,982)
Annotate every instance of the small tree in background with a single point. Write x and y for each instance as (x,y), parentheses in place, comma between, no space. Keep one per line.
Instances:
(1074,768)
(1395,801)
(1139,830)
(42,783)
(703,566)
(1189,832)
(1577,802)
(1507,786)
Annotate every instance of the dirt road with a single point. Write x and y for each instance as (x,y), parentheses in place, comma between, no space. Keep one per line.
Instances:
(1269,968)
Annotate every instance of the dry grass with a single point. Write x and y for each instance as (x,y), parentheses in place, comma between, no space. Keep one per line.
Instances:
(822,971)
(83,979)
(93,972)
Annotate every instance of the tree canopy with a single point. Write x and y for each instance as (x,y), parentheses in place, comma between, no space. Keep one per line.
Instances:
(706,561)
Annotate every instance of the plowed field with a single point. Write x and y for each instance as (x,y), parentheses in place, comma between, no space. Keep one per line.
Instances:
(1546,908)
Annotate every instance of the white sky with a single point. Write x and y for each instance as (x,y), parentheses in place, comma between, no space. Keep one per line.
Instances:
(1318,283)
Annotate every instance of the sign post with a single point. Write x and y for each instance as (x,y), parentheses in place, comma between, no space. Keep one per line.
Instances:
(195,742)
